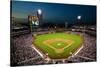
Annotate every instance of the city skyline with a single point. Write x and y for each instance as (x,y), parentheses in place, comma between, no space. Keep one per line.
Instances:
(53,12)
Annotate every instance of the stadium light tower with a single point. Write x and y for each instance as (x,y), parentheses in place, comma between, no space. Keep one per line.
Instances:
(40,16)
(39,11)
(79,17)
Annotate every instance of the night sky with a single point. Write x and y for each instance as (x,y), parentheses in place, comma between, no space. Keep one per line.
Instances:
(55,12)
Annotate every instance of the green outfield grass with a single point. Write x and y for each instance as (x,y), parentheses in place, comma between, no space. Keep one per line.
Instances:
(58,45)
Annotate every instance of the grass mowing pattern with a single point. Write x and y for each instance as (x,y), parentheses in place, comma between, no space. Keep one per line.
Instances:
(77,40)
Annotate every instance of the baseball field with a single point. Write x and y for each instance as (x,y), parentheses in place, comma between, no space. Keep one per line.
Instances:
(58,45)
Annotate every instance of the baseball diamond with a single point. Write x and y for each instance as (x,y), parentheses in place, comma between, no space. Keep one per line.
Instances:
(58,45)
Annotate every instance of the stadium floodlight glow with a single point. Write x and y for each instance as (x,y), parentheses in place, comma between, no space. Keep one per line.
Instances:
(79,17)
(39,11)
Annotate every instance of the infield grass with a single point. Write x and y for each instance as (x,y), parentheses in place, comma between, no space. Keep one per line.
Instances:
(58,45)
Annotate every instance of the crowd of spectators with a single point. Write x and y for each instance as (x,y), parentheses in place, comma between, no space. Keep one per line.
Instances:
(22,50)
(89,49)
(88,52)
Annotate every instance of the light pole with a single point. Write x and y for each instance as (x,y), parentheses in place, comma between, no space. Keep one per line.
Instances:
(79,20)
(40,16)
(79,17)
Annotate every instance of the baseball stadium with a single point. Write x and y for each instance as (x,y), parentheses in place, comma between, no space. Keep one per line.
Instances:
(51,33)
